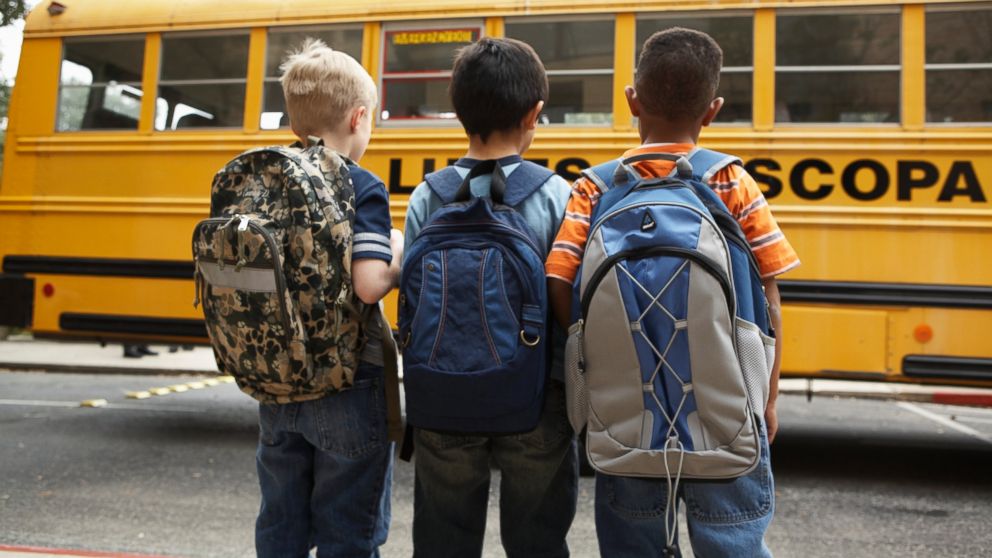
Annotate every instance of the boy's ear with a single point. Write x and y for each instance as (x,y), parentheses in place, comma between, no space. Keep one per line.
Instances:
(715,106)
(530,120)
(632,101)
(356,117)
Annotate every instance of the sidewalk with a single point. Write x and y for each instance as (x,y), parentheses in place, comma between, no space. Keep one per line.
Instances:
(25,353)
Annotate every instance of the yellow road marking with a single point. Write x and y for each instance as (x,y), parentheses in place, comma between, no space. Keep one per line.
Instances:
(93,403)
(180,388)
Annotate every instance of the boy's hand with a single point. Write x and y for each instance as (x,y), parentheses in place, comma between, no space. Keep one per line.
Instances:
(396,245)
(771,421)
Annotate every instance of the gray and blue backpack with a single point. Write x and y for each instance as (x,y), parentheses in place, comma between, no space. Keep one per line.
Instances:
(473,308)
(669,358)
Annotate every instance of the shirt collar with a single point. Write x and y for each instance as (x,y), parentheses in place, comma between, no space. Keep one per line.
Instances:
(469,162)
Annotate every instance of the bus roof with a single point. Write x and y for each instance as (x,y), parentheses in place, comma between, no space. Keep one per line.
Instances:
(128,16)
(83,17)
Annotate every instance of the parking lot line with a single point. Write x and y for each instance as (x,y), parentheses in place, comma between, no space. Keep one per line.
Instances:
(945,421)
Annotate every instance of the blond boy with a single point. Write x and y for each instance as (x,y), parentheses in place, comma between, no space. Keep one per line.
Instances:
(325,465)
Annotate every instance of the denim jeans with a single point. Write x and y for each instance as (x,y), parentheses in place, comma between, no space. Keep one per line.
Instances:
(538,488)
(325,469)
(724,518)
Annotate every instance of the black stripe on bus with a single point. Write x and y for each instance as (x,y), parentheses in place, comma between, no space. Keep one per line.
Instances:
(886,294)
(935,366)
(132,325)
(102,267)
(825,292)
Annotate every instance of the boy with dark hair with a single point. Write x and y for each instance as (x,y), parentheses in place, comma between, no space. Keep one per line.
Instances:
(498,88)
(674,97)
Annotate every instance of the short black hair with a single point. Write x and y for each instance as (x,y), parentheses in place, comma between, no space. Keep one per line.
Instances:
(495,83)
(678,73)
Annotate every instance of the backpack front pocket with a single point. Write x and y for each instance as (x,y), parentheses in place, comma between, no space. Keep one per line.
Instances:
(466,309)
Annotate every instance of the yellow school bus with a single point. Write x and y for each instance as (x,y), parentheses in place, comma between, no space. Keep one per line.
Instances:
(868,124)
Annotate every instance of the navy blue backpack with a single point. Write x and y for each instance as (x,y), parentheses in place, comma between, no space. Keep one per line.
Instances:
(473,308)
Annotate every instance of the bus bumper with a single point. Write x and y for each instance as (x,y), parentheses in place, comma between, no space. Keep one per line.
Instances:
(16,300)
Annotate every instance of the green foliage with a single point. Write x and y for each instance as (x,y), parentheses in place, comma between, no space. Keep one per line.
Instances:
(11,11)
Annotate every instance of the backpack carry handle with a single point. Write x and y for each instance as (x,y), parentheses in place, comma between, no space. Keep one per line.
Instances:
(624,172)
(497,189)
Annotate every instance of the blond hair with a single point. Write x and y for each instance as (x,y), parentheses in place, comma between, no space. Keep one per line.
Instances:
(322,85)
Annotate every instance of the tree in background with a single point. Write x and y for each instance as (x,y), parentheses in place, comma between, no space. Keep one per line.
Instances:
(11,11)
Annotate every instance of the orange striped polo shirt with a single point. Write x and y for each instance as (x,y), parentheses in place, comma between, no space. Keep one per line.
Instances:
(737,189)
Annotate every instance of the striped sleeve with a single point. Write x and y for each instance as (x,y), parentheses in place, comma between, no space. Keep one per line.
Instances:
(748,205)
(372,222)
(570,243)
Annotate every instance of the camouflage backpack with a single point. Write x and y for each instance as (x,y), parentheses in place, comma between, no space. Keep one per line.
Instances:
(273,270)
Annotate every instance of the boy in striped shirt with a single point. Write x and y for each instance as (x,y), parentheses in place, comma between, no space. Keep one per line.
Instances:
(674,97)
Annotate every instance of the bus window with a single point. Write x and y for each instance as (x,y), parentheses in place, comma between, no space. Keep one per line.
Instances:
(959,64)
(578,55)
(283,41)
(416,69)
(734,33)
(100,84)
(838,67)
(202,81)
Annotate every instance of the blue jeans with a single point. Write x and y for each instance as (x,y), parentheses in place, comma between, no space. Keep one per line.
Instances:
(538,488)
(724,518)
(325,468)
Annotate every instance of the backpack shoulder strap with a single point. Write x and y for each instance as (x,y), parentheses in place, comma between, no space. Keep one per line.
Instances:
(602,175)
(444,183)
(524,181)
(706,162)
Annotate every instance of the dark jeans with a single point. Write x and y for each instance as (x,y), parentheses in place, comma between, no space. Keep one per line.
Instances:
(325,470)
(726,519)
(538,488)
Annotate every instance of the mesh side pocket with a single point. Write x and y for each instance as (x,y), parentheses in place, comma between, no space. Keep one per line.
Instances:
(754,363)
(576,393)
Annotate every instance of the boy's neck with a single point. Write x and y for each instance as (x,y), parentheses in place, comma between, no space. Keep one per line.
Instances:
(335,142)
(658,130)
(496,146)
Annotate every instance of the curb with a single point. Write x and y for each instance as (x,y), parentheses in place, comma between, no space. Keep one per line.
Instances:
(98,369)
(881,391)
(69,553)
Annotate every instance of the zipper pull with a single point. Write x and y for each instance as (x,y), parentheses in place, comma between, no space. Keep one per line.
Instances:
(242,249)
(196,283)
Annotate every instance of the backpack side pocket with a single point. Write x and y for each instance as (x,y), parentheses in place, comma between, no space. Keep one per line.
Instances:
(576,391)
(756,353)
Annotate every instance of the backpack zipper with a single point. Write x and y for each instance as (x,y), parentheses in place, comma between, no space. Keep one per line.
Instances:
(468,227)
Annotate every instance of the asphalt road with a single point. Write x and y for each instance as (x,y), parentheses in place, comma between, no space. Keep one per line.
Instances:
(174,474)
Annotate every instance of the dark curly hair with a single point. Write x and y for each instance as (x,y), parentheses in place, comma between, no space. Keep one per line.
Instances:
(678,73)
